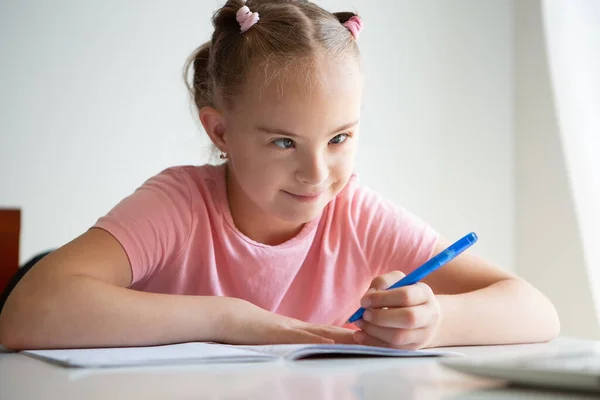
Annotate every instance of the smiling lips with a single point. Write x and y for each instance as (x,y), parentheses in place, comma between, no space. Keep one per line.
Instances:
(305,197)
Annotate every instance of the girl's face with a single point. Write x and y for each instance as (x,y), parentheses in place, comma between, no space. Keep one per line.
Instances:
(292,143)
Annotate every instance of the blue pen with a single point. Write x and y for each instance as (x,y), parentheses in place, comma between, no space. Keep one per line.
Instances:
(434,263)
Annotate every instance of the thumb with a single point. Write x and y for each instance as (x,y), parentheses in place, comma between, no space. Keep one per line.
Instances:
(383,282)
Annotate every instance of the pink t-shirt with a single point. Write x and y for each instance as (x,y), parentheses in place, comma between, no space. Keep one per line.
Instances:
(180,238)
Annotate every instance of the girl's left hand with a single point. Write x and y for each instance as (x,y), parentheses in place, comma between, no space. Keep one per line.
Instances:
(406,318)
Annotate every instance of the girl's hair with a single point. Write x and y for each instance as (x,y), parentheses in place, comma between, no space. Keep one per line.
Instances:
(289,31)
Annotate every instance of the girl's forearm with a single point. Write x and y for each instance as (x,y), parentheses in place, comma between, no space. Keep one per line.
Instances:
(81,311)
(509,311)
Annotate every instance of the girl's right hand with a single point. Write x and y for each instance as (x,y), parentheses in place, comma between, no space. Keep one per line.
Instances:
(246,323)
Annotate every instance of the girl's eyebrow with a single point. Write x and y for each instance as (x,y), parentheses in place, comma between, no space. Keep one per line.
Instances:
(282,132)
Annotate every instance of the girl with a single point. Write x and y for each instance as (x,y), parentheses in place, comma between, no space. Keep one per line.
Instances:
(280,243)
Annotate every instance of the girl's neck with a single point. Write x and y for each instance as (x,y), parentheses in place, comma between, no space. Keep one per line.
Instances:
(254,222)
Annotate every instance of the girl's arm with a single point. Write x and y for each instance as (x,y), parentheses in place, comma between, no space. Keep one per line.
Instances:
(483,304)
(466,302)
(77,296)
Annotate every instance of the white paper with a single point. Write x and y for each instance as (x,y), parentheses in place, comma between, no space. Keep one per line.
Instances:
(200,353)
(194,352)
(297,351)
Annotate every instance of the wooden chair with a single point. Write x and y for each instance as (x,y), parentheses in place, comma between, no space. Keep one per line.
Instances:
(10,229)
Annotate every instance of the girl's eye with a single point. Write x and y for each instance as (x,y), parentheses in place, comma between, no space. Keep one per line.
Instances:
(341,138)
(284,143)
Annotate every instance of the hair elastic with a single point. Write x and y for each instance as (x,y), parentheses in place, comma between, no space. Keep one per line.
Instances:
(246,18)
(354,25)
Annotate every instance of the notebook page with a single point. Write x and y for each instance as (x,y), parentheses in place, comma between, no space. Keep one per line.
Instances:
(194,352)
(296,351)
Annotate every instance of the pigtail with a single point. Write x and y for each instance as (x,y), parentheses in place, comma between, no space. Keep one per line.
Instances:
(200,87)
(344,16)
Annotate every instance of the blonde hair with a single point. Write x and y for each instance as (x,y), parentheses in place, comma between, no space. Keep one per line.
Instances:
(288,30)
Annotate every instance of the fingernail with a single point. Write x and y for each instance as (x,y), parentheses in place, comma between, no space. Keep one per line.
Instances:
(367,315)
(371,290)
(365,302)
(359,323)
(359,336)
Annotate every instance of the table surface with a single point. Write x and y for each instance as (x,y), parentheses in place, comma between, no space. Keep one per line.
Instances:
(23,377)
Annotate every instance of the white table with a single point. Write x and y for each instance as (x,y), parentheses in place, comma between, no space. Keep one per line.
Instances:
(22,377)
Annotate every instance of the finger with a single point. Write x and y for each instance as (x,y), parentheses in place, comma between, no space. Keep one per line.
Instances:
(399,338)
(343,338)
(296,334)
(383,282)
(330,328)
(337,334)
(367,340)
(412,295)
(403,318)
(299,336)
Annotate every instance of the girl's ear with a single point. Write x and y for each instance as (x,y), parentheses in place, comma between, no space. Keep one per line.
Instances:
(212,120)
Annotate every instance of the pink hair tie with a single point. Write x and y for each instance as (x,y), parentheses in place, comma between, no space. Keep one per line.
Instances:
(246,18)
(354,25)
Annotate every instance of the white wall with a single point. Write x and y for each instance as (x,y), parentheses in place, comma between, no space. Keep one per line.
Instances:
(550,248)
(438,134)
(92,104)
(572,31)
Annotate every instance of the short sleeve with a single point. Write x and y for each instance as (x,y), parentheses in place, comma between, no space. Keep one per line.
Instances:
(392,237)
(153,224)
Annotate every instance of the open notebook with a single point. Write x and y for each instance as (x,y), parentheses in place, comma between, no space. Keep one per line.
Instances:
(201,353)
